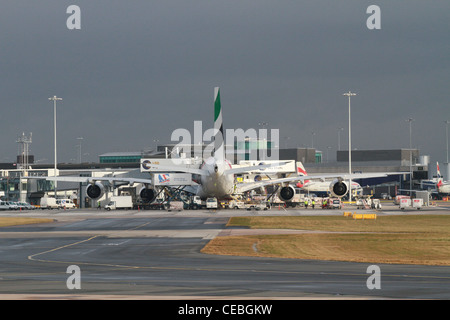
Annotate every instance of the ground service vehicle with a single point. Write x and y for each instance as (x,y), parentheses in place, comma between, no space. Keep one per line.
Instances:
(405,203)
(211,203)
(25,206)
(194,203)
(174,206)
(65,204)
(119,202)
(417,203)
(334,203)
(48,203)
(233,204)
(4,205)
(397,199)
(376,204)
(257,206)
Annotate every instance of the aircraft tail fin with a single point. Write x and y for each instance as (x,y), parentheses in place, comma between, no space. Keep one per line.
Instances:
(219,149)
(301,171)
(439,176)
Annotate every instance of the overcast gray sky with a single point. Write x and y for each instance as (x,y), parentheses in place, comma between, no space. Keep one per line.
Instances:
(137,70)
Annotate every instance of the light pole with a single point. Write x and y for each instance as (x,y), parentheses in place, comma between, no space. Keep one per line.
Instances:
(349,95)
(262,150)
(286,141)
(339,138)
(80,138)
(410,120)
(54,98)
(446,141)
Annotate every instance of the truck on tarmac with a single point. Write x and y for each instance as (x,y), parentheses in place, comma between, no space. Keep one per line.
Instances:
(49,203)
(235,204)
(256,205)
(119,202)
(194,203)
(334,203)
(211,203)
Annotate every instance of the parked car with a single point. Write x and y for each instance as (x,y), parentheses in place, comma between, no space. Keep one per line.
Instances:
(25,206)
(4,205)
(12,205)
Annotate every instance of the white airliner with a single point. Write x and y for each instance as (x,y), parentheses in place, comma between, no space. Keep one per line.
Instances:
(320,187)
(443,187)
(217,175)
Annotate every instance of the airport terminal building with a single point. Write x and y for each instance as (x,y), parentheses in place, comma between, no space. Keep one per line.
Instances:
(15,186)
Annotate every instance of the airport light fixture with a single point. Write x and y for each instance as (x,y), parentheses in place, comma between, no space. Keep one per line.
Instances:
(54,99)
(80,139)
(410,120)
(286,142)
(312,139)
(339,138)
(349,95)
(328,149)
(446,141)
(262,149)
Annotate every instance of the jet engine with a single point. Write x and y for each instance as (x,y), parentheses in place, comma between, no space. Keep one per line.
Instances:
(338,188)
(286,193)
(95,191)
(148,194)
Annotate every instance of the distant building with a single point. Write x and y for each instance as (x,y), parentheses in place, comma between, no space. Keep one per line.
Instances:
(402,155)
(304,155)
(120,157)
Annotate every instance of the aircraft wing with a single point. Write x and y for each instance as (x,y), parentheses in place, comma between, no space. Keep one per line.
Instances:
(253,168)
(253,185)
(158,168)
(91,179)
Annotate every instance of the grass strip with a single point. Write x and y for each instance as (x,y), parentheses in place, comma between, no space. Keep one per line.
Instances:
(15,221)
(421,240)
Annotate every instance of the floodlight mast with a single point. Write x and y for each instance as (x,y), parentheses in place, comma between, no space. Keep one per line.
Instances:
(446,142)
(349,95)
(54,99)
(410,120)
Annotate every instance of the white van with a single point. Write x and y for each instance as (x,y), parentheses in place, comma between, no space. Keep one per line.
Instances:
(65,203)
(48,203)
(4,205)
(211,203)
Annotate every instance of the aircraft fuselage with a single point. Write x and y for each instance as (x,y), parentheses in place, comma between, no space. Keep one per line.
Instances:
(216,183)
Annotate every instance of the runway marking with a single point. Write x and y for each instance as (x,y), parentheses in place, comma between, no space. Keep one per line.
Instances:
(31,257)
(142,225)
(120,266)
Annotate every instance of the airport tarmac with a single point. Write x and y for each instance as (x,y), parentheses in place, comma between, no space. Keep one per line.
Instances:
(156,255)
